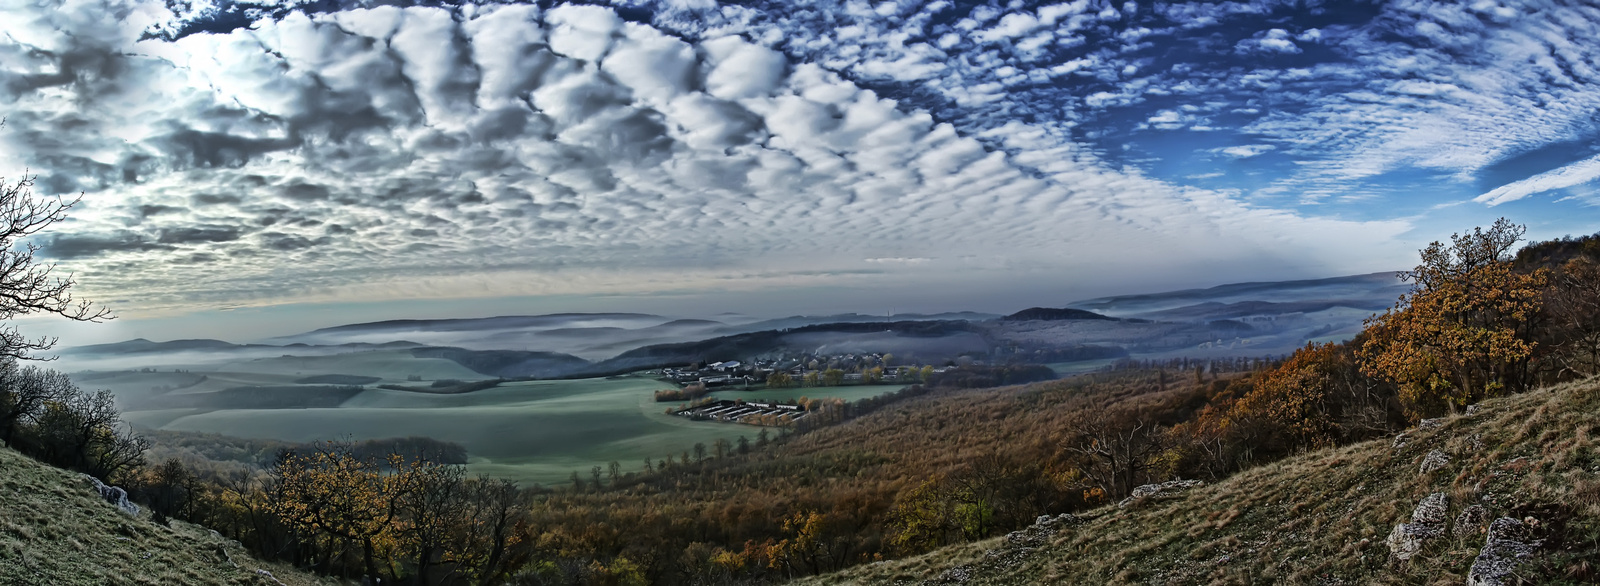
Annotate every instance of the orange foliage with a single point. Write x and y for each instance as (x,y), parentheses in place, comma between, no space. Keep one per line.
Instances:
(1466,331)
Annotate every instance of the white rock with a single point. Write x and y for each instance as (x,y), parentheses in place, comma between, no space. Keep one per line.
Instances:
(1506,547)
(1435,460)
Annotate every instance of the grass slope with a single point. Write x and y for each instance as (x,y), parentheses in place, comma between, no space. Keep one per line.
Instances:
(1322,517)
(55,530)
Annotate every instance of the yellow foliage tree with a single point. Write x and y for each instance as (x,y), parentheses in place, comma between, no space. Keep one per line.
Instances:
(1293,398)
(331,492)
(1465,330)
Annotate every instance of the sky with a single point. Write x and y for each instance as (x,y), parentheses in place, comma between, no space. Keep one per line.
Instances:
(257,169)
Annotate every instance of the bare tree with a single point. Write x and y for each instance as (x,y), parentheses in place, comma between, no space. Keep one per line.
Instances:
(1120,445)
(433,508)
(1575,307)
(28,286)
(496,509)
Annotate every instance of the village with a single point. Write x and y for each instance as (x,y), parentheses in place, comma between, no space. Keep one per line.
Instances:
(805,370)
(695,381)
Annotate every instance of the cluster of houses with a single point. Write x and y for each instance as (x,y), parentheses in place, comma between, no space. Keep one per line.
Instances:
(742,411)
(756,371)
(719,374)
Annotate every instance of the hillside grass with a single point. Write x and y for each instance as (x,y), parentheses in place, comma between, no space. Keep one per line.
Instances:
(55,530)
(1322,517)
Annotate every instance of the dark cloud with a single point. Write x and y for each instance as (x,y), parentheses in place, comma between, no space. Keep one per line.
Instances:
(305,192)
(80,246)
(146,211)
(194,148)
(288,242)
(200,234)
(204,199)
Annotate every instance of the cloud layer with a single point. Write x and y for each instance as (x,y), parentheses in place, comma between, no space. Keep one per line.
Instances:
(384,152)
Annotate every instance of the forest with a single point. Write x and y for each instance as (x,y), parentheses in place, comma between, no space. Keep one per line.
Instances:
(938,463)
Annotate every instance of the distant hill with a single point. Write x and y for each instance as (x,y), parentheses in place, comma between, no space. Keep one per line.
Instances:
(550,321)
(1214,310)
(1053,314)
(141,345)
(800,321)
(509,363)
(1374,287)
(740,346)
(57,530)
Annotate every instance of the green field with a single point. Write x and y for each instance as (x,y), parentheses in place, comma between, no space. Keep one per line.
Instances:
(389,365)
(1081,366)
(537,431)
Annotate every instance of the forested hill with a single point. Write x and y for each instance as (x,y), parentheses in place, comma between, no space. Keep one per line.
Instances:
(1053,314)
(741,346)
(1525,465)
(56,530)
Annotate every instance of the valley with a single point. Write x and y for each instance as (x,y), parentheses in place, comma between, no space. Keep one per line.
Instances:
(505,390)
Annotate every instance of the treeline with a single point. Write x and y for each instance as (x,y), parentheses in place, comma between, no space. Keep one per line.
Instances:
(1230,364)
(1075,353)
(222,454)
(688,393)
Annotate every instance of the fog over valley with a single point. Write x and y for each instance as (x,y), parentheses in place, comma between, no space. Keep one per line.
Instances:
(831,292)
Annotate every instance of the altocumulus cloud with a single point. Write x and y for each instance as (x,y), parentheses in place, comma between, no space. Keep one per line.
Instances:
(500,150)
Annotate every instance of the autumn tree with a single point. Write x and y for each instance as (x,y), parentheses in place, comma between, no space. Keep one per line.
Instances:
(832,377)
(330,492)
(920,518)
(1466,329)
(1293,400)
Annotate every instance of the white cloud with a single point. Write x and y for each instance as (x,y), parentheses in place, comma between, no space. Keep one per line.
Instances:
(417,152)
(742,70)
(1272,41)
(1245,151)
(1575,174)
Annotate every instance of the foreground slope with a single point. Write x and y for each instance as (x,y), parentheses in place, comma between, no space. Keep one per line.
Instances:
(55,530)
(1323,517)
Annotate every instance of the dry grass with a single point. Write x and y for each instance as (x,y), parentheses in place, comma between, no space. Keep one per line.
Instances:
(1322,517)
(55,530)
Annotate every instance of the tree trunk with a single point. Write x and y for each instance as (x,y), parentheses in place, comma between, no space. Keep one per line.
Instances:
(366,554)
(423,557)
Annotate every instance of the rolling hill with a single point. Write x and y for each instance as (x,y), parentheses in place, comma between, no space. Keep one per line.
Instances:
(1326,517)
